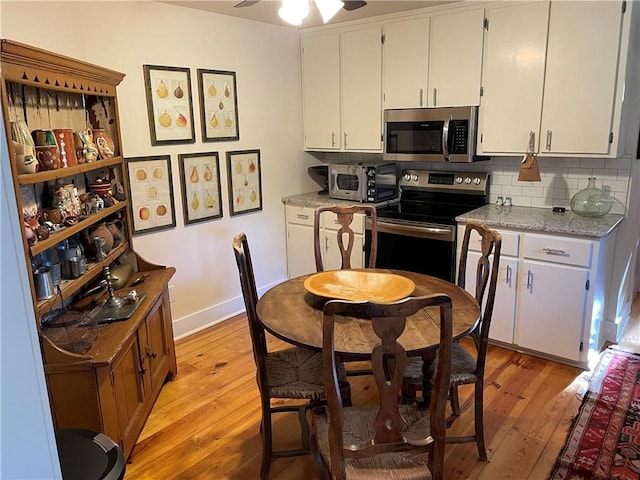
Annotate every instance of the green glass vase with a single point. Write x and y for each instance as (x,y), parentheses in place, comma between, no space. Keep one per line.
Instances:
(591,201)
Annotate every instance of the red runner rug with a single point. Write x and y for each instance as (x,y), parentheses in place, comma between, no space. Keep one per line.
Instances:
(604,439)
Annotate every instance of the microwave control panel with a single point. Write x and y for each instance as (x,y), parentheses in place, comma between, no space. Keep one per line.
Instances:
(459,135)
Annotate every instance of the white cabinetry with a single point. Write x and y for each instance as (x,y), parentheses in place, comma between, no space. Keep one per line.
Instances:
(550,295)
(546,68)
(406,59)
(300,249)
(342,90)
(455,59)
(512,77)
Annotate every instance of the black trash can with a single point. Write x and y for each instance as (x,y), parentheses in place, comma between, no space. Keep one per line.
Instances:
(87,455)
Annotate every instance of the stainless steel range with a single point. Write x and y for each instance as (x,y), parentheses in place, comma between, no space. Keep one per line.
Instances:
(419,232)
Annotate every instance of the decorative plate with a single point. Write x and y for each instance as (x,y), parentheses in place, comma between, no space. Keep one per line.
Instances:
(359,285)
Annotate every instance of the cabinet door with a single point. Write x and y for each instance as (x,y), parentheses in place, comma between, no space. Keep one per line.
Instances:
(580,80)
(551,308)
(455,59)
(361,70)
(321,91)
(158,348)
(406,53)
(129,393)
(512,78)
(504,307)
(300,259)
(331,257)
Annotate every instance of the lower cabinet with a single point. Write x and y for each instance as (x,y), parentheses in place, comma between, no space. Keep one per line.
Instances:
(300,241)
(550,295)
(112,388)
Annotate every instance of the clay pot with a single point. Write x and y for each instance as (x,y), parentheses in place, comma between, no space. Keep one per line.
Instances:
(43,138)
(64,138)
(86,150)
(98,230)
(106,147)
(26,161)
(48,157)
(116,229)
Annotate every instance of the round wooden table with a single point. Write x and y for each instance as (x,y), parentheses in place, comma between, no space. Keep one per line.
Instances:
(291,313)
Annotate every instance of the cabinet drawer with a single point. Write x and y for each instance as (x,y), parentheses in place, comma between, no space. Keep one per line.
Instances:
(330,222)
(510,242)
(570,251)
(300,215)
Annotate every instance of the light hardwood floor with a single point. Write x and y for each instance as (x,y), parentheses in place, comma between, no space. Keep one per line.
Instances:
(205,424)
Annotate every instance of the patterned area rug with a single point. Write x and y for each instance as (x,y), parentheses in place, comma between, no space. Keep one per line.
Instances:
(604,440)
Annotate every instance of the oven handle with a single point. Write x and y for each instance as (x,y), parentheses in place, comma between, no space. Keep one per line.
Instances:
(421,231)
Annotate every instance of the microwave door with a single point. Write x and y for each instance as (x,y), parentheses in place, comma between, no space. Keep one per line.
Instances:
(414,140)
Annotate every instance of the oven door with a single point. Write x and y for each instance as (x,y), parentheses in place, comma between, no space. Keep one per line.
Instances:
(414,246)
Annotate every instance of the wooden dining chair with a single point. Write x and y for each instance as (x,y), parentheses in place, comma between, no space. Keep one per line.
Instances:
(345,218)
(292,373)
(385,440)
(468,368)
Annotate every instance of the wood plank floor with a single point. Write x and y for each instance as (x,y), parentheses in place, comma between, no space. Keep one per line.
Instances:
(204,424)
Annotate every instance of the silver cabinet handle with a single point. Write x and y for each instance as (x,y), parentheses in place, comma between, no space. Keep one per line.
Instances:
(326,244)
(435,96)
(421,94)
(345,139)
(549,133)
(302,216)
(529,280)
(508,280)
(333,139)
(554,251)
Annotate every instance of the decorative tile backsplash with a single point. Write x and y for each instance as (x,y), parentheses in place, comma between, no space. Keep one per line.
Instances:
(561,177)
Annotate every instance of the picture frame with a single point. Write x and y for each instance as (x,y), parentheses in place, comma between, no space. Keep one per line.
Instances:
(218,105)
(169,106)
(201,190)
(150,193)
(245,181)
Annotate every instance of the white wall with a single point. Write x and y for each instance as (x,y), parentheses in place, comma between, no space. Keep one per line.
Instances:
(125,35)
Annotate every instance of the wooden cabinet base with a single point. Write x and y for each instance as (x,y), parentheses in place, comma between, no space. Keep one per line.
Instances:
(112,387)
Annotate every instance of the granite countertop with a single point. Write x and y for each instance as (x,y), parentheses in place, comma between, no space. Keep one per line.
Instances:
(542,220)
(315,199)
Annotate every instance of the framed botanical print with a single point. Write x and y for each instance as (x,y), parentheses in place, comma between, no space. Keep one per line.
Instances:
(218,105)
(168,91)
(201,191)
(245,183)
(150,193)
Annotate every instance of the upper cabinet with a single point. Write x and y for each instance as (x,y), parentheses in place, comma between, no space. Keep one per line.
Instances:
(546,68)
(455,59)
(321,91)
(512,76)
(406,59)
(342,90)
(580,80)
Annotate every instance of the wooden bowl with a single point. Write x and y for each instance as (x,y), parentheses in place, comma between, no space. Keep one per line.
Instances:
(359,285)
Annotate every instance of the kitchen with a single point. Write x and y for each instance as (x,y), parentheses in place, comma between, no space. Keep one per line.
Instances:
(266,59)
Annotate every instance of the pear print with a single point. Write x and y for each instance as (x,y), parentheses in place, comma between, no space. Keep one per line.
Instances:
(227,121)
(238,166)
(214,121)
(252,196)
(239,198)
(181,121)
(246,181)
(165,120)
(227,93)
(208,174)
(213,91)
(221,105)
(252,166)
(195,203)
(194,175)
(178,92)
(209,202)
(162,90)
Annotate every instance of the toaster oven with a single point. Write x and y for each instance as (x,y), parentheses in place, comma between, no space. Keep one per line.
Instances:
(363,182)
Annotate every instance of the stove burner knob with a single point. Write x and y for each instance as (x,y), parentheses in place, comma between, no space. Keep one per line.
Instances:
(477,180)
(458,179)
(414,177)
(467,180)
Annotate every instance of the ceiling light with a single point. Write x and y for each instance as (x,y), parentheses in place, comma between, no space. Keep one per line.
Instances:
(293,11)
(328,8)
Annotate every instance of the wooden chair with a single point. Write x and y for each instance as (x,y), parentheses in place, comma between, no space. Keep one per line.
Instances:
(467,368)
(345,219)
(387,440)
(293,373)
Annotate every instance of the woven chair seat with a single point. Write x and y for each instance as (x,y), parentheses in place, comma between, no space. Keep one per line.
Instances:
(463,368)
(297,373)
(358,434)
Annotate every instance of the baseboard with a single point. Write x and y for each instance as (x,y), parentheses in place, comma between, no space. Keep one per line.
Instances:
(195,322)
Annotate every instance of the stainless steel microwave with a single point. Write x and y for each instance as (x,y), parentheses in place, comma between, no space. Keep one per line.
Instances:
(363,182)
(431,134)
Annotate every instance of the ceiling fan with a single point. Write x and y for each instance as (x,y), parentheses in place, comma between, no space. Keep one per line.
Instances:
(349,5)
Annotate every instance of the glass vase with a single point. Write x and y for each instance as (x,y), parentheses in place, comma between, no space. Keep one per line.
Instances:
(591,201)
